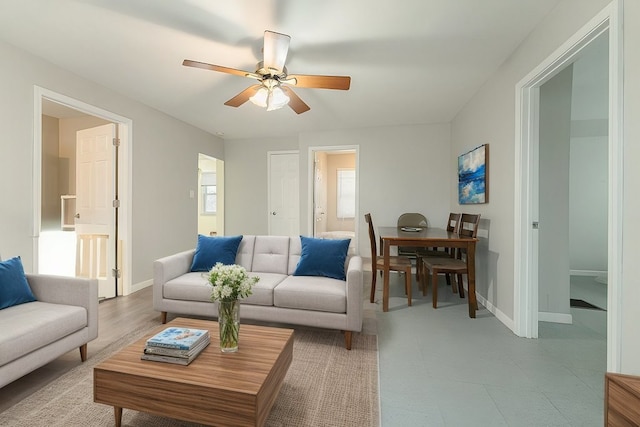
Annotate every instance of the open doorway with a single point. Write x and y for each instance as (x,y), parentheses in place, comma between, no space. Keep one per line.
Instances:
(527,249)
(573,191)
(80,222)
(211,197)
(335,194)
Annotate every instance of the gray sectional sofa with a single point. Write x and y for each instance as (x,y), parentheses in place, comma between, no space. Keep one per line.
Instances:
(279,296)
(64,317)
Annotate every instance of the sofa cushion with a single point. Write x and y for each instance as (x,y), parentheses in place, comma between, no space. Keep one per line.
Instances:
(311,293)
(262,292)
(14,288)
(244,257)
(28,327)
(188,287)
(322,257)
(271,254)
(211,250)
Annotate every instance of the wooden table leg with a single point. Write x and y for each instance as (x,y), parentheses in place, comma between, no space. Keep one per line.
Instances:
(385,281)
(471,276)
(117,412)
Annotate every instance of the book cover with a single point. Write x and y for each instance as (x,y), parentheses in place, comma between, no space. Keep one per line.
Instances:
(178,338)
(174,352)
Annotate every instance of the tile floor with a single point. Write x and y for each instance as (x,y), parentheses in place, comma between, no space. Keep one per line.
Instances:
(441,368)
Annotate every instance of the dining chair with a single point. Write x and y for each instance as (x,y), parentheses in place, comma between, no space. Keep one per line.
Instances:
(452,226)
(453,264)
(410,219)
(400,264)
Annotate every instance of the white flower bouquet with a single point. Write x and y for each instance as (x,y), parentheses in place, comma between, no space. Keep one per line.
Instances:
(230,282)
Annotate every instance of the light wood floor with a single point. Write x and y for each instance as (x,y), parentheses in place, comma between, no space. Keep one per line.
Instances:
(115,317)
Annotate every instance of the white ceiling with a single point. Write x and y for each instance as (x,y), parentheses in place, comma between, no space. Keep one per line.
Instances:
(410,61)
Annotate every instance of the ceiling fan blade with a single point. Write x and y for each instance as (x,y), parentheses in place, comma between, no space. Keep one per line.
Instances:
(205,66)
(319,82)
(276,47)
(243,96)
(295,102)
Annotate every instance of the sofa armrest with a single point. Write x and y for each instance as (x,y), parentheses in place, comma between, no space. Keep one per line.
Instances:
(76,291)
(168,268)
(354,294)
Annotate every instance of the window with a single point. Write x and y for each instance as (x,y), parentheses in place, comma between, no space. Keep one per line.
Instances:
(346,203)
(209,193)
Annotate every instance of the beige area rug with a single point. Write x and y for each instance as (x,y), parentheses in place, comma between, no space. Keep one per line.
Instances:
(326,385)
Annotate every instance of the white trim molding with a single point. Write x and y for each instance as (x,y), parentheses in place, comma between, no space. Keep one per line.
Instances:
(125,133)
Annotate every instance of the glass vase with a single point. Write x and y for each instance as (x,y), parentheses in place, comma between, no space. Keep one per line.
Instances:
(229,325)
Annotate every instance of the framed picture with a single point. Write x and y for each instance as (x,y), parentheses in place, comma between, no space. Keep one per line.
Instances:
(472,176)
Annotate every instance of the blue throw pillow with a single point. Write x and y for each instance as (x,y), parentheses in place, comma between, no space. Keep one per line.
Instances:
(211,250)
(14,288)
(322,257)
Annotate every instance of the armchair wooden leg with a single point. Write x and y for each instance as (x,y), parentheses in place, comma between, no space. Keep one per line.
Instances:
(163,317)
(347,339)
(83,352)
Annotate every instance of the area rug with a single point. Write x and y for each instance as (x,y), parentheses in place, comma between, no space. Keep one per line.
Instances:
(326,385)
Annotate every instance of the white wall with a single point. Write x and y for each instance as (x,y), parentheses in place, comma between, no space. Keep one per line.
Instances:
(400,170)
(164,170)
(553,235)
(246,183)
(489,117)
(589,160)
(50,174)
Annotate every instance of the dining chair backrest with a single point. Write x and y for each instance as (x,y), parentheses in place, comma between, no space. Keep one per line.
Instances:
(454,222)
(469,225)
(412,219)
(372,236)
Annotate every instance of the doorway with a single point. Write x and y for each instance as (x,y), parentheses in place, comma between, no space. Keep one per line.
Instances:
(573,191)
(211,197)
(334,193)
(58,249)
(528,121)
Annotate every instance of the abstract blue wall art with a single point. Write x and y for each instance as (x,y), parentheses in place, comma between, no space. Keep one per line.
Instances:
(472,176)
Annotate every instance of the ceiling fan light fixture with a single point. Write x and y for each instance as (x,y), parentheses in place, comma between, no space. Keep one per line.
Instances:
(276,99)
(260,97)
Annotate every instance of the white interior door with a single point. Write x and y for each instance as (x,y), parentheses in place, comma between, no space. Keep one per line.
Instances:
(284,194)
(320,194)
(95,217)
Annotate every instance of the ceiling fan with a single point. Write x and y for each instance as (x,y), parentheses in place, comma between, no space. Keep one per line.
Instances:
(273,89)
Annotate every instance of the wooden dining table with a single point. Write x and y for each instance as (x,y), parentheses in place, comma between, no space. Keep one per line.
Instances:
(428,237)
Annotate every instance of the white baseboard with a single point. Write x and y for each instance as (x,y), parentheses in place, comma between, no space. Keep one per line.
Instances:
(141,285)
(592,273)
(546,316)
(496,312)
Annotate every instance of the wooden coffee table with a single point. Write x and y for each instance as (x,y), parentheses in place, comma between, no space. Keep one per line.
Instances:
(236,389)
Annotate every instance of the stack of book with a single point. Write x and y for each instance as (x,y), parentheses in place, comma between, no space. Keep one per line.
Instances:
(176,345)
